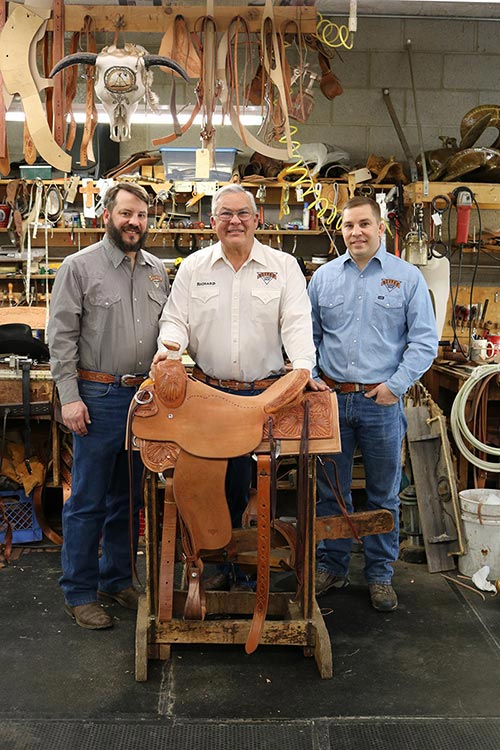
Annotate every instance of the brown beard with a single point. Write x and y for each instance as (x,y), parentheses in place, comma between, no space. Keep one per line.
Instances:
(115,235)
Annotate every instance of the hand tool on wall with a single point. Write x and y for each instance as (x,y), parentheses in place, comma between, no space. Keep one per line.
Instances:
(425,176)
(416,241)
(402,139)
(440,204)
(463,201)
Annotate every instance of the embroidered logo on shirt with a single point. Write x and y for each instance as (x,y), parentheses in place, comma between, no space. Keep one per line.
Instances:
(156,279)
(267,276)
(391,284)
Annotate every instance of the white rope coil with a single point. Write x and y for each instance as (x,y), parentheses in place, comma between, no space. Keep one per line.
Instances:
(459,426)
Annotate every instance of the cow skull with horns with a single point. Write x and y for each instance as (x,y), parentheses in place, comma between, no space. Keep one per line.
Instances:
(122,79)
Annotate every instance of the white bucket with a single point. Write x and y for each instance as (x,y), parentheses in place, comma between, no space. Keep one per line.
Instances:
(481,519)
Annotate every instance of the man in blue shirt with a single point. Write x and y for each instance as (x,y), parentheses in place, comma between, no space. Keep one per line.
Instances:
(375,334)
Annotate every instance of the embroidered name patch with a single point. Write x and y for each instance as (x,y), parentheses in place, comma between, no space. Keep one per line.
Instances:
(156,279)
(267,276)
(391,284)
(206,283)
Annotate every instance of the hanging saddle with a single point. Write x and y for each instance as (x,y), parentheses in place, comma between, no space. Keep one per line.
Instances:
(179,422)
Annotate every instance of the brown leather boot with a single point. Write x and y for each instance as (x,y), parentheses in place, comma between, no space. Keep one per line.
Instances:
(128,598)
(90,616)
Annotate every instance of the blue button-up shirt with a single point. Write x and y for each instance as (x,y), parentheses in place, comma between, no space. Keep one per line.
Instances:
(373,326)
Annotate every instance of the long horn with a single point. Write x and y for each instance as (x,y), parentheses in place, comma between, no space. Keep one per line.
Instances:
(85,58)
(166,62)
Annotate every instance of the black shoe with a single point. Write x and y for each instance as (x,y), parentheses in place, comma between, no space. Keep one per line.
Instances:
(326,581)
(383,597)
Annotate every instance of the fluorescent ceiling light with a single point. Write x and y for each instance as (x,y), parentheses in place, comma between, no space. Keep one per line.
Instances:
(250,116)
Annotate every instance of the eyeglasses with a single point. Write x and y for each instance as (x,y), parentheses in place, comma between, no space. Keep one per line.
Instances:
(243,215)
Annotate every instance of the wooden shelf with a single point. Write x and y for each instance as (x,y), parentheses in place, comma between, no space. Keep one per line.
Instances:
(157,19)
(486,194)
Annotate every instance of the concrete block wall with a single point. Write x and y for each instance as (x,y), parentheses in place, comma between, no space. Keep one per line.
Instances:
(456,65)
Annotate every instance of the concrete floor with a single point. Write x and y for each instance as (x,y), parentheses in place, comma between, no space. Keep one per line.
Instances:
(424,676)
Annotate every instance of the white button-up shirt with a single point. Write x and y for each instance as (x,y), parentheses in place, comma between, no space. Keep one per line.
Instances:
(235,323)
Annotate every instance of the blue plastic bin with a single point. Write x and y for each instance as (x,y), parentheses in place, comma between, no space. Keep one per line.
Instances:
(19,511)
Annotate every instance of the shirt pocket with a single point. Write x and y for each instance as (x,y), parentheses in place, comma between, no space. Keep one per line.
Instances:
(204,304)
(388,311)
(156,303)
(331,310)
(266,306)
(104,312)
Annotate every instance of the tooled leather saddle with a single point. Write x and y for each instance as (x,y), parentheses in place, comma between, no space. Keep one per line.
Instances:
(179,422)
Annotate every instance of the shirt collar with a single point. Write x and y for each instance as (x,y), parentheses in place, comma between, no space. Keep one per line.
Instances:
(257,253)
(380,255)
(117,256)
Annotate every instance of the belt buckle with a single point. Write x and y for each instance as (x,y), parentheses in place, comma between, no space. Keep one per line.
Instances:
(125,378)
(359,388)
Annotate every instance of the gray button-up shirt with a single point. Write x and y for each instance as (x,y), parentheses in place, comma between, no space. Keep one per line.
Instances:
(104,315)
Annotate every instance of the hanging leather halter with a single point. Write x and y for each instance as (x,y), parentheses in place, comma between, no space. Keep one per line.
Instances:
(272,67)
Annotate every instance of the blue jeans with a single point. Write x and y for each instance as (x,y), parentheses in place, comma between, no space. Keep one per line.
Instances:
(98,508)
(378,431)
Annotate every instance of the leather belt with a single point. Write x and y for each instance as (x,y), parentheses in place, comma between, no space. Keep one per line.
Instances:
(128,381)
(234,385)
(348,387)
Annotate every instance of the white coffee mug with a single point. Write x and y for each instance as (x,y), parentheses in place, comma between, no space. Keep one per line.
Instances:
(482,350)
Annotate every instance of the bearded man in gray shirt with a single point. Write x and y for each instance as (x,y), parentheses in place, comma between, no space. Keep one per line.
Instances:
(104,311)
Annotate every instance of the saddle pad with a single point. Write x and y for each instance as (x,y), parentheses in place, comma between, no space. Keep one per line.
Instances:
(211,423)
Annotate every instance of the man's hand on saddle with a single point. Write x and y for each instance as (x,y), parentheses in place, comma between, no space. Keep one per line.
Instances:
(317,385)
(75,416)
(382,395)
(172,352)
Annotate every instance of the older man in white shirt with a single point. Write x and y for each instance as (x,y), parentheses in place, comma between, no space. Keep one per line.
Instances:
(235,306)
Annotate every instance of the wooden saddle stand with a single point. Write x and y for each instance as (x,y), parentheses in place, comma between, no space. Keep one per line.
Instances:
(188,430)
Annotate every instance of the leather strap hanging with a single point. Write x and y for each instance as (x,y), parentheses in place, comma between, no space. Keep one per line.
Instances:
(59,124)
(25,367)
(70,91)
(263,551)
(86,147)
(228,107)
(4,151)
(167,556)
(209,84)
